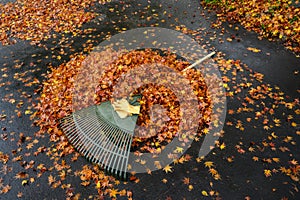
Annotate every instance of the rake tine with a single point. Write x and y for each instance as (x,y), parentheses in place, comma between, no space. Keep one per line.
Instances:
(117,161)
(88,136)
(82,139)
(104,149)
(108,146)
(95,148)
(116,148)
(99,148)
(127,156)
(79,141)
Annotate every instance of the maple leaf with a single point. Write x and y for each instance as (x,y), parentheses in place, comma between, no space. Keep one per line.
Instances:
(267,172)
(205,131)
(209,164)
(222,146)
(241,151)
(85,183)
(4,157)
(186,180)
(255,50)
(294,162)
(167,169)
(22,175)
(213,171)
(251,149)
(199,159)
(230,111)
(20,194)
(284,149)
(178,150)
(5,189)
(51,179)
(29,146)
(255,158)
(217,176)
(113,193)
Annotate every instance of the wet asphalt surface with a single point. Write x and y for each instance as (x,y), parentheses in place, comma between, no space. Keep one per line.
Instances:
(241,178)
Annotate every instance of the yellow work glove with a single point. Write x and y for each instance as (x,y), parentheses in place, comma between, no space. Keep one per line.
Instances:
(124,109)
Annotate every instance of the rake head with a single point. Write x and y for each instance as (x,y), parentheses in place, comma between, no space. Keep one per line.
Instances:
(102,136)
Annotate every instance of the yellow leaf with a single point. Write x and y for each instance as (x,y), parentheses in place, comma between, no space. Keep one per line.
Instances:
(267,172)
(168,169)
(274,136)
(178,150)
(113,193)
(255,50)
(98,185)
(28,112)
(205,131)
(24,182)
(209,164)
(222,146)
(204,193)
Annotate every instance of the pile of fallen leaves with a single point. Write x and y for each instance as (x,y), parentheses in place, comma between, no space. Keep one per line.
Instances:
(56,100)
(270,18)
(57,95)
(38,20)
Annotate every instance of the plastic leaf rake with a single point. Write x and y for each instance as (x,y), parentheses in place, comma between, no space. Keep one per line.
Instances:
(102,136)
(103,133)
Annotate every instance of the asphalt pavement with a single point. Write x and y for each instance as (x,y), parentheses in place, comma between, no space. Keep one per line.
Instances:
(240,179)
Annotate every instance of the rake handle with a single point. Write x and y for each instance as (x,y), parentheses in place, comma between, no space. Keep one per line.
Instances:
(199,61)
